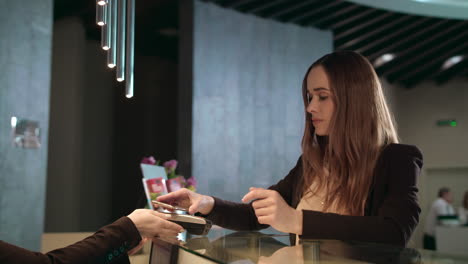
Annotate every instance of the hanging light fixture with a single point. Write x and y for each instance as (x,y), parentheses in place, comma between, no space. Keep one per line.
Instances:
(102,20)
(452,61)
(117,21)
(121,29)
(102,2)
(130,55)
(100,15)
(104,39)
(112,33)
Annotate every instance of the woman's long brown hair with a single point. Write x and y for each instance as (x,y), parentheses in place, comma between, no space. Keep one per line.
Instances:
(360,127)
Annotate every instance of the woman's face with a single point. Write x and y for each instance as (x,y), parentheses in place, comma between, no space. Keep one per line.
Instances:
(320,105)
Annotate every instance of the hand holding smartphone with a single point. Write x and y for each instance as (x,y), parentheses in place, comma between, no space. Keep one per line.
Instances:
(166,206)
(193,224)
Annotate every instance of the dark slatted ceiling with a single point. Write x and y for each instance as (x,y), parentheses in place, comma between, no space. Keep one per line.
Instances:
(421,45)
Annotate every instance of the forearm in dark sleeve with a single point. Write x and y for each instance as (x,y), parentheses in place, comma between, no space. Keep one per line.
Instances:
(317,225)
(108,245)
(241,217)
(235,216)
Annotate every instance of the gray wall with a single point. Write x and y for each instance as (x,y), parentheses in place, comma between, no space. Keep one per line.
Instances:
(25,51)
(81,118)
(247,105)
(445,149)
(420,108)
(97,136)
(65,121)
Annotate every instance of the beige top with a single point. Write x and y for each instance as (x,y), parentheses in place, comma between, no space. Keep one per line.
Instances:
(315,202)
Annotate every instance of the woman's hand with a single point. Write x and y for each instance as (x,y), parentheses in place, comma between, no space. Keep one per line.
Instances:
(193,202)
(151,223)
(271,209)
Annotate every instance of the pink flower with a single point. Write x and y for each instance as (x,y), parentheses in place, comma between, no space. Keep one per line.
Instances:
(192,182)
(148,160)
(170,166)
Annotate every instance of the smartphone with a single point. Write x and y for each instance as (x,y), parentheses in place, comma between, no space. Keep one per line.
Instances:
(167,206)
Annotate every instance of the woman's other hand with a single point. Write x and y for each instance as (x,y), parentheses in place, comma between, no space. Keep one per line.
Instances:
(271,209)
(151,223)
(191,201)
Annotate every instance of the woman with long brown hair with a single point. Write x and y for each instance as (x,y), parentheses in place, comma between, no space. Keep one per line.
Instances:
(353,180)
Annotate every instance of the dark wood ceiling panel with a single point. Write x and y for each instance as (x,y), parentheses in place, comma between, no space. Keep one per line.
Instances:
(337,16)
(332,12)
(420,44)
(456,72)
(315,12)
(291,8)
(236,3)
(409,57)
(442,76)
(261,9)
(367,35)
(350,34)
(373,46)
(409,40)
(355,19)
(431,61)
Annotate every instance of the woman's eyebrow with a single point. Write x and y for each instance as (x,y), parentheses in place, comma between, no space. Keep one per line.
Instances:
(320,89)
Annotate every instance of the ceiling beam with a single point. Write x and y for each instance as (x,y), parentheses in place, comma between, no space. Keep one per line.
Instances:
(349,20)
(314,11)
(443,76)
(334,15)
(290,9)
(442,55)
(362,25)
(370,32)
(412,54)
(237,3)
(402,30)
(397,44)
(261,8)
(464,72)
(413,81)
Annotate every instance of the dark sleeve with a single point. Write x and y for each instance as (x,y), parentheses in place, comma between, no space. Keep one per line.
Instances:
(108,245)
(240,216)
(396,217)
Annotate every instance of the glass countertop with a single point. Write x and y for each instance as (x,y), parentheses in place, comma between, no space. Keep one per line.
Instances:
(269,246)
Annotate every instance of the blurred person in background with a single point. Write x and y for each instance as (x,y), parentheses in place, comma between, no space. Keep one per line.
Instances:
(442,206)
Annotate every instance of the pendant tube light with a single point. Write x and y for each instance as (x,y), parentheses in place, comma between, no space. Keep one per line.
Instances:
(105,36)
(101,15)
(102,2)
(112,33)
(130,55)
(121,41)
(117,21)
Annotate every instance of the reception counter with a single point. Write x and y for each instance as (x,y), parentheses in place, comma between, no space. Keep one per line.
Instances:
(452,239)
(225,246)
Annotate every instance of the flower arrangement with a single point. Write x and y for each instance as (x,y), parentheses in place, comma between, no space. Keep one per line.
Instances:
(174,181)
(170,167)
